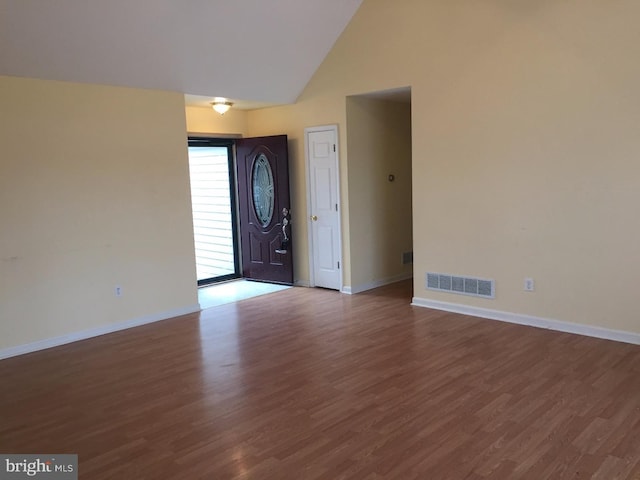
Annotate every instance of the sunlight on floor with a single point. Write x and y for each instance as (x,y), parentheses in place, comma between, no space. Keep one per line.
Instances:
(228,292)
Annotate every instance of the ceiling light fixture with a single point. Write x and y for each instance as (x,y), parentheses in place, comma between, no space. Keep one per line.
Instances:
(221,106)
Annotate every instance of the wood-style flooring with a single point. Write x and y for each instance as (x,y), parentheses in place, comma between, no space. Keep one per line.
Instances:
(313,384)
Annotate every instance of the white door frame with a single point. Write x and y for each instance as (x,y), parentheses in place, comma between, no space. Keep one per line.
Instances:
(307,131)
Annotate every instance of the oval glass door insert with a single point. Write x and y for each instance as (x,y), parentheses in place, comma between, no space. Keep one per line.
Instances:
(262,184)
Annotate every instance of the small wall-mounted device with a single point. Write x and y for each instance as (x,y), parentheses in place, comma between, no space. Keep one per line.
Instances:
(391,177)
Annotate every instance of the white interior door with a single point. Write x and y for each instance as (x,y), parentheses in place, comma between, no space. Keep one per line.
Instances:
(324,207)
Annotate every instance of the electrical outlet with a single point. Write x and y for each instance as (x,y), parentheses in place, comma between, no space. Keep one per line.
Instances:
(118,290)
(529,285)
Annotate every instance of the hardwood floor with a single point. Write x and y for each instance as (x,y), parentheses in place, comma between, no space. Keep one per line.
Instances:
(312,384)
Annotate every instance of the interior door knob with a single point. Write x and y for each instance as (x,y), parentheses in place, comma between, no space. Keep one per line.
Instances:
(314,218)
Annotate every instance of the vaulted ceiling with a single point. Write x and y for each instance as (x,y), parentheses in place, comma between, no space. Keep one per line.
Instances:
(259,50)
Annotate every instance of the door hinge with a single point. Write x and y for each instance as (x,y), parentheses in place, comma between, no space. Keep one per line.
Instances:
(334,147)
(336,207)
(338,265)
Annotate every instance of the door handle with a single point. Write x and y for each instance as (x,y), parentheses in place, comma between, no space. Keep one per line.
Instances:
(314,218)
(286,219)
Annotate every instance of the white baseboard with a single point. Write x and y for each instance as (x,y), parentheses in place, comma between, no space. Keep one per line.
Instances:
(350,290)
(96,332)
(529,320)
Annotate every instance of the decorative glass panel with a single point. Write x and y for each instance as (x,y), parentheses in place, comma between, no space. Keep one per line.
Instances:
(263,190)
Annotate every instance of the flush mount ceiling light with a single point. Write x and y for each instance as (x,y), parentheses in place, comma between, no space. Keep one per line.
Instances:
(221,106)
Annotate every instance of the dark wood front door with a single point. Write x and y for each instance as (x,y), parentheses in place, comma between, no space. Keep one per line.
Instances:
(263,188)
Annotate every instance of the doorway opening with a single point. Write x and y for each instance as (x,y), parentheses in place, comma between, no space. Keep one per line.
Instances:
(379,162)
(214,206)
(241,209)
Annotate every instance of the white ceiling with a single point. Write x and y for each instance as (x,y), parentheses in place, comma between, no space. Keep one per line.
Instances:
(261,51)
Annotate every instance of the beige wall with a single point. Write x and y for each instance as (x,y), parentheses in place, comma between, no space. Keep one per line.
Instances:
(380,211)
(206,121)
(94,193)
(525,144)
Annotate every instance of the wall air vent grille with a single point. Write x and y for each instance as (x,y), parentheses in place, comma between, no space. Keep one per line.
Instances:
(407,258)
(477,287)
